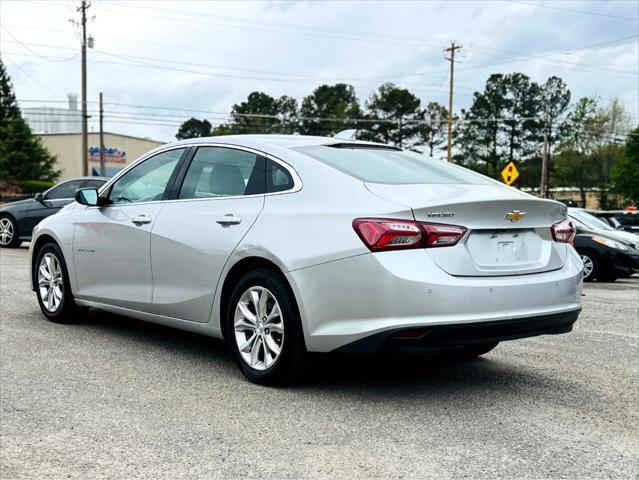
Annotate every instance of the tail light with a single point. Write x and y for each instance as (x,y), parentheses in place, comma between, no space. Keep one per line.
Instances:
(387,234)
(563,231)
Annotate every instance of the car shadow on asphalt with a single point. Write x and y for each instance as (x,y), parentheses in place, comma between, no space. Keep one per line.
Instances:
(375,376)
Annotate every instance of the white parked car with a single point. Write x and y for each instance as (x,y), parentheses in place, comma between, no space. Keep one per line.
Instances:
(285,245)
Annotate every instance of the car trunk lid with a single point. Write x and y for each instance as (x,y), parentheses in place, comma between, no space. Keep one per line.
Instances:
(509,231)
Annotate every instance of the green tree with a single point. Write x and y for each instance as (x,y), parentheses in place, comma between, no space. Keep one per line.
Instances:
(22,156)
(613,125)
(329,110)
(480,142)
(625,175)
(576,163)
(432,128)
(262,113)
(576,169)
(8,104)
(521,109)
(393,115)
(194,128)
(554,101)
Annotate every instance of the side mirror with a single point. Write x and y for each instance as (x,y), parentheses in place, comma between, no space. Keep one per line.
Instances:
(87,196)
(39,197)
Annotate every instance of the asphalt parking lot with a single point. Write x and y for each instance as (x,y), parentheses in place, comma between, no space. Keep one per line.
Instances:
(117,398)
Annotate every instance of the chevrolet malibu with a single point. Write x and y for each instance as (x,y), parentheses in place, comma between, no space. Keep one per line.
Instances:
(286,245)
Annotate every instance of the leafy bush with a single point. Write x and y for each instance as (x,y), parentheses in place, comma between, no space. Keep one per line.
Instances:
(35,186)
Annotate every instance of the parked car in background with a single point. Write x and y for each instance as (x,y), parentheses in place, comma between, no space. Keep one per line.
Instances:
(17,219)
(607,253)
(609,219)
(286,244)
(628,219)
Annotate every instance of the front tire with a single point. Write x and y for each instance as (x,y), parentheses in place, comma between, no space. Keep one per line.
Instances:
(53,289)
(264,330)
(591,266)
(9,235)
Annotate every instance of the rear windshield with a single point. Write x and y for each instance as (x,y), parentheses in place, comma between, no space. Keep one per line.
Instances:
(385,165)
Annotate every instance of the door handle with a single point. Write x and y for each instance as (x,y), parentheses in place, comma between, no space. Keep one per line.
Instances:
(229,219)
(141,220)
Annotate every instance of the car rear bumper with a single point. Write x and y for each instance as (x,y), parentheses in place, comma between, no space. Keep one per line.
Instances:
(444,337)
(348,300)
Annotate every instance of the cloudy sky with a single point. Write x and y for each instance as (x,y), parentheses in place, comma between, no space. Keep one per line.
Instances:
(186,58)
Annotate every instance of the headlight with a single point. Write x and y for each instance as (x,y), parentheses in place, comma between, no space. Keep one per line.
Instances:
(610,243)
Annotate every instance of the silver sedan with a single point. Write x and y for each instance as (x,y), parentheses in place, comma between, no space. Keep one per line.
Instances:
(285,245)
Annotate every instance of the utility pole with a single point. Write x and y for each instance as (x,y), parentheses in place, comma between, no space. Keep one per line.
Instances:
(85,130)
(102,166)
(453,47)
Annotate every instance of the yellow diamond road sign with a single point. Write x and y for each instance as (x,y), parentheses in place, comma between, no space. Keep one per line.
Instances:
(510,173)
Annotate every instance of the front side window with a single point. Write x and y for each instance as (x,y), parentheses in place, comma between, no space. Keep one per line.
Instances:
(387,165)
(223,172)
(66,190)
(147,181)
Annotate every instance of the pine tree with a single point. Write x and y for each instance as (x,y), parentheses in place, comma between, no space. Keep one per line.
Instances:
(22,156)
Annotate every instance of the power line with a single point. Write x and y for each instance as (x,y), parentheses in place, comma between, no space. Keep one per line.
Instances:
(574,10)
(562,62)
(28,75)
(24,45)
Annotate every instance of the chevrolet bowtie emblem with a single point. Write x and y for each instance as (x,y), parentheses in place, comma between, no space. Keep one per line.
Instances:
(515,215)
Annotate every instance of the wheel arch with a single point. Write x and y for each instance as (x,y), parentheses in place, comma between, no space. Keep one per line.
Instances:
(38,244)
(237,271)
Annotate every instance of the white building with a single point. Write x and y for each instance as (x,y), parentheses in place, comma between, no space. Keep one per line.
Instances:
(54,119)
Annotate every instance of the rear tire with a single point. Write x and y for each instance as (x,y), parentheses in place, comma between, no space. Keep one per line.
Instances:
(470,351)
(9,234)
(591,266)
(51,280)
(264,330)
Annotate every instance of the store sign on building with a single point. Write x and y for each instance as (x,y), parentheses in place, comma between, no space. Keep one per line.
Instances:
(111,155)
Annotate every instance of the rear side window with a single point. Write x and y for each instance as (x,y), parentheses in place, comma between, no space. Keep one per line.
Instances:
(223,172)
(66,190)
(278,179)
(385,165)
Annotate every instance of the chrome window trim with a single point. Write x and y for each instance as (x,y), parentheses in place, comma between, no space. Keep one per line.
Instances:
(297,181)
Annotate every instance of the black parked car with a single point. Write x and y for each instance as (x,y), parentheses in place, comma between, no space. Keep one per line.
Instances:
(17,219)
(607,254)
(628,219)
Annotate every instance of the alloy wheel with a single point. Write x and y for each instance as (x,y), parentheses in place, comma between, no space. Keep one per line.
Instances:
(259,328)
(6,231)
(589,265)
(50,282)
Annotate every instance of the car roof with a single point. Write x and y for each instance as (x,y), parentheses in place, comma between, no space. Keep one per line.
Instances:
(105,179)
(263,142)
